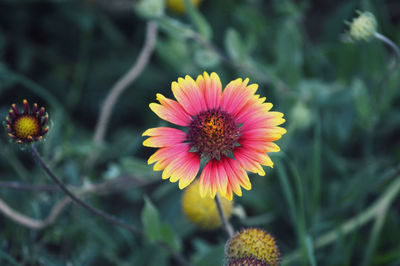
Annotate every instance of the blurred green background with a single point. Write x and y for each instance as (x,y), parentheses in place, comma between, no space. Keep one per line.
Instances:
(332,197)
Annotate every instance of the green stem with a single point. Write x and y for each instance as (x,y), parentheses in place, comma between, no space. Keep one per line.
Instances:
(390,70)
(90,208)
(109,218)
(228,227)
(389,43)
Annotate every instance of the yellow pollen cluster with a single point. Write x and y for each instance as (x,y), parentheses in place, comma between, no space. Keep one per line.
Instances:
(253,243)
(214,127)
(26,126)
(203,211)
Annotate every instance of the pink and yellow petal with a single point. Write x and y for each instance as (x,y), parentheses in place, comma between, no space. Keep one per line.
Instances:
(189,95)
(208,186)
(168,152)
(184,168)
(253,109)
(234,180)
(263,133)
(170,111)
(178,163)
(211,89)
(221,178)
(163,137)
(236,94)
(241,174)
(248,161)
(262,146)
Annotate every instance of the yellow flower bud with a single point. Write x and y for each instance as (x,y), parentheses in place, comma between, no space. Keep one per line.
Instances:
(179,5)
(203,212)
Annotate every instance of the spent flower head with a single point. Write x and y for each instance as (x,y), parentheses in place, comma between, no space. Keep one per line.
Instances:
(363,27)
(231,131)
(252,245)
(28,125)
(203,212)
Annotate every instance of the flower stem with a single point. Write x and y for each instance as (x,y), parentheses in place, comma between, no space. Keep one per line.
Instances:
(109,218)
(390,70)
(228,227)
(390,44)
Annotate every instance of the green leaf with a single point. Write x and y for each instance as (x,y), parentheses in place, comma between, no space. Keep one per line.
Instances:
(170,238)
(151,221)
(206,58)
(288,49)
(150,8)
(362,102)
(198,20)
(138,167)
(206,254)
(234,45)
(175,27)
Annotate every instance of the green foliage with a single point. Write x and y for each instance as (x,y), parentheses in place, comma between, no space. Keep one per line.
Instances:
(332,197)
(151,221)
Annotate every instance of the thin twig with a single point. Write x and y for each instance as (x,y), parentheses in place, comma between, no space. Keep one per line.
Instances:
(28,187)
(102,188)
(20,218)
(124,82)
(227,226)
(109,218)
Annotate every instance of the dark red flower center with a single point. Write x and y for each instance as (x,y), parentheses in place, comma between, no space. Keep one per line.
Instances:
(213,133)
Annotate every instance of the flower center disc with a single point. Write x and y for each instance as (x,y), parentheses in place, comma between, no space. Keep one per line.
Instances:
(25,126)
(213,133)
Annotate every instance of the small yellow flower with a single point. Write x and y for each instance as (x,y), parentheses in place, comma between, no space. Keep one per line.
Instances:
(203,211)
(179,5)
(363,27)
(252,245)
(27,126)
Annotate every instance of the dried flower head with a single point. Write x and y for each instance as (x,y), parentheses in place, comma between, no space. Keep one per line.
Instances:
(27,126)
(252,245)
(203,212)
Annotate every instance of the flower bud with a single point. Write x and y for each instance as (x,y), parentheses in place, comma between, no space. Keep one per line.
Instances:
(203,212)
(301,116)
(363,27)
(179,5)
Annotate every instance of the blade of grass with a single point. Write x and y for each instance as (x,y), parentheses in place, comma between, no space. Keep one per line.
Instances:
(287,190)
(6,257)
(301,215)
(353,223)
(374,237)
(316,177)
